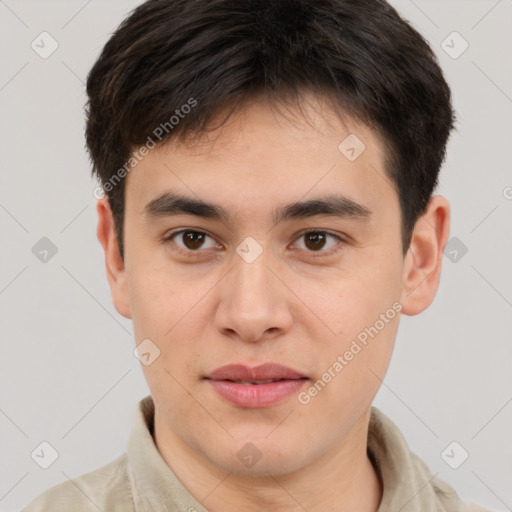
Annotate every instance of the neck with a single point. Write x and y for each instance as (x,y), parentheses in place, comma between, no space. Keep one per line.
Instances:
(342,480)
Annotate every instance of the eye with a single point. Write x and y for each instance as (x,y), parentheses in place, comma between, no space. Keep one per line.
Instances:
(316,241)
(319,241)
(191,240)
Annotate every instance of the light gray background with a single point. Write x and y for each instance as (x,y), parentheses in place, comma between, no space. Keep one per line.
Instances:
(68,375)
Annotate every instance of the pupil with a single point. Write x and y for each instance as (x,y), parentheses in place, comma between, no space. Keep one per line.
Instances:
(193,239)
(315,241)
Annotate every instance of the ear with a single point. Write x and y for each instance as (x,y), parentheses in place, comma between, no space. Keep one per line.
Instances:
(114,264)
(422,266)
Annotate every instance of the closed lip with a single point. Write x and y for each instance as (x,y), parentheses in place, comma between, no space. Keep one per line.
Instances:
(257,374)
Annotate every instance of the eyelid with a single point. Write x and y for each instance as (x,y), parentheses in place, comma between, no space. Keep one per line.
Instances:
(169,236)
(330,252)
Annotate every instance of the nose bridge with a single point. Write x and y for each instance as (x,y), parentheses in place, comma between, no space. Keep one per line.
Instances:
(251,282)
(252,303)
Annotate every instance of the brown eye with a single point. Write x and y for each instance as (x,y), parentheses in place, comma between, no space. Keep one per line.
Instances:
(314,240)
(319,241)
(192,240)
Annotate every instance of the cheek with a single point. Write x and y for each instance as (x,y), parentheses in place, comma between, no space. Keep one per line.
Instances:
(161,298)
(348,304)
(168,310)
(350,372)
(362,310)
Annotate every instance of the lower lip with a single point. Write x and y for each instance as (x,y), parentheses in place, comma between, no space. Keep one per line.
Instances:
(256,395)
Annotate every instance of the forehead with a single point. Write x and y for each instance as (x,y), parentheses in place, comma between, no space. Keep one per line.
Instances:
(263,154)
(311,125)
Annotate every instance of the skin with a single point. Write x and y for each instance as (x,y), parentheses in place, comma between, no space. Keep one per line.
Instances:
(297,304)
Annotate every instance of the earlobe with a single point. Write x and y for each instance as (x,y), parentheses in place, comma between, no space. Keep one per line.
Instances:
(423,261)
(114,264)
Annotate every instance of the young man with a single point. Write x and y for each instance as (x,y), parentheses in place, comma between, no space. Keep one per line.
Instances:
(268,170)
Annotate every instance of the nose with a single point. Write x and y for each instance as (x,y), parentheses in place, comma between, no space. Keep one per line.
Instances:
(253,303)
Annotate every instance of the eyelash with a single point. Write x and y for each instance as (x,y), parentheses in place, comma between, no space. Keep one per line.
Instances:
(316,254)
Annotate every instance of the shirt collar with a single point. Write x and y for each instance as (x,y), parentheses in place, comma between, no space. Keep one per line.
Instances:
(408,485)
(154,485)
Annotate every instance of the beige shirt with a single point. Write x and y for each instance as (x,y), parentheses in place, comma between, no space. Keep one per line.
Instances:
(141,481)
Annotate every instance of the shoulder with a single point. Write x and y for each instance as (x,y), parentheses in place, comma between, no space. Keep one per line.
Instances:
(445,496)
(106,488)
(406,478)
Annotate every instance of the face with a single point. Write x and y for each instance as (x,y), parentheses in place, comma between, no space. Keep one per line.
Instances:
(292,273)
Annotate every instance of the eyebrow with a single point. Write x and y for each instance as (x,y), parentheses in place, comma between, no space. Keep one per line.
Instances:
(335,205)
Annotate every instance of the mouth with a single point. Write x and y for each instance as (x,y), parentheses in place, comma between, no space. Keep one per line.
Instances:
(264,373)
(256,382)
(261,386)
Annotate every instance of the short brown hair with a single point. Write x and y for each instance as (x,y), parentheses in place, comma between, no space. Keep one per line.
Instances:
(222,52)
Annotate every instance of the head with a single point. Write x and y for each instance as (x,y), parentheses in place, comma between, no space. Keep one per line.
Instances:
(269,170)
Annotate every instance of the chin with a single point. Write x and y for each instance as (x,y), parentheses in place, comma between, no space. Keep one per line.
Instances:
(259,457)
(265,467)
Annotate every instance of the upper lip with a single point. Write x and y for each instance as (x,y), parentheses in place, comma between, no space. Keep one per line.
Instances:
(267,371)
